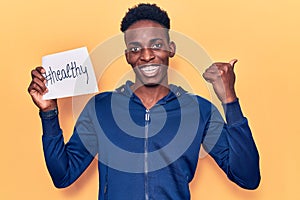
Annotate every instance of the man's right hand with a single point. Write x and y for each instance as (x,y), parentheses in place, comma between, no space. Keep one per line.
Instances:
(37,89)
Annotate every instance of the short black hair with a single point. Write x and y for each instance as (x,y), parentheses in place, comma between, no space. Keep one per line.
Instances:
(145,11)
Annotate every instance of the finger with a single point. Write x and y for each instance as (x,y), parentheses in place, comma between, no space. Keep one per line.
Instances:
(36,73)
(41,70)
(35,88)
(206,77)
(212,69)
(217,69)
(40,84)
(211,77)
(222,67)
(232,62)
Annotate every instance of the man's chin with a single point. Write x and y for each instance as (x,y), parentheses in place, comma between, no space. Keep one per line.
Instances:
(152,81)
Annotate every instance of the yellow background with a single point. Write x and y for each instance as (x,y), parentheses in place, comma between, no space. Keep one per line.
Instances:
(263,35)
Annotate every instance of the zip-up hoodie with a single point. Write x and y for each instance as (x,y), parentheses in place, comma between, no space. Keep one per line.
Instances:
(150,154)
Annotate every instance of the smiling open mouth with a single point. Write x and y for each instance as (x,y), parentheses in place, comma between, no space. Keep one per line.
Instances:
(149,70)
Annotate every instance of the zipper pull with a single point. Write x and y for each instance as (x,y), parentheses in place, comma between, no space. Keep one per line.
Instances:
(147,116)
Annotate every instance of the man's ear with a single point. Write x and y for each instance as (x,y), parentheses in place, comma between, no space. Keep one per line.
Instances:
(126,55)
(172,51)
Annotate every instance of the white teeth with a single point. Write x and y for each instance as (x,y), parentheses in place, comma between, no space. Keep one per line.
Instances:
(149,68)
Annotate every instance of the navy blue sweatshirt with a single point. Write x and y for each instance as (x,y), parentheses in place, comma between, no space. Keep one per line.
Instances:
(150,154)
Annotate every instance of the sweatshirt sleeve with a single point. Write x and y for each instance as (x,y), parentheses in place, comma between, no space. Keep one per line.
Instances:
(232,146)
(66,162)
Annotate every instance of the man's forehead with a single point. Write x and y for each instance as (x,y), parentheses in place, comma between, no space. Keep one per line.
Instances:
(146,34)
(145,30)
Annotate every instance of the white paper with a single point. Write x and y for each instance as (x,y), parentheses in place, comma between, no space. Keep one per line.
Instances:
(69,73)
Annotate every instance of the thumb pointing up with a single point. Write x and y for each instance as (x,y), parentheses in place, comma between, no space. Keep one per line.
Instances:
(232,62)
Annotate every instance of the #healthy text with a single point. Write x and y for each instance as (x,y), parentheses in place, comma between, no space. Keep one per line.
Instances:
(71,71)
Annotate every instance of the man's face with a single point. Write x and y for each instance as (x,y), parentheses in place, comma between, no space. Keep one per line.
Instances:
(148,52)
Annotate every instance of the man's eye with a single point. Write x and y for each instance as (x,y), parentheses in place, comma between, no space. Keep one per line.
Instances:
(134,49)
(157,46)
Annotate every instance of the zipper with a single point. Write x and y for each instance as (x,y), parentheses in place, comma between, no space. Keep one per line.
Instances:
(147,120)
(106,187)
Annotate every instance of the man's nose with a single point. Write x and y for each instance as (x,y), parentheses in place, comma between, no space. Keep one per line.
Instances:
(147,54)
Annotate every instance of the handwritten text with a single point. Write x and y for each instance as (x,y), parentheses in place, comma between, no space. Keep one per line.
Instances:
(71,71)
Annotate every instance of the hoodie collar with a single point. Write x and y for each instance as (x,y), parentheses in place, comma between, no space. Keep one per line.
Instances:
(175,91)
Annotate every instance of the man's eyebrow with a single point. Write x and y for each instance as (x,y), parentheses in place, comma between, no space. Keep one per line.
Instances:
(139,44)
(134,43)
(155,39)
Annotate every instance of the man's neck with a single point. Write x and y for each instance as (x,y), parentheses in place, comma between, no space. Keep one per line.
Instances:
(150,95)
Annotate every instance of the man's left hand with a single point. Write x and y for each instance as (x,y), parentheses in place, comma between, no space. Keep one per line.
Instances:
(222,78)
